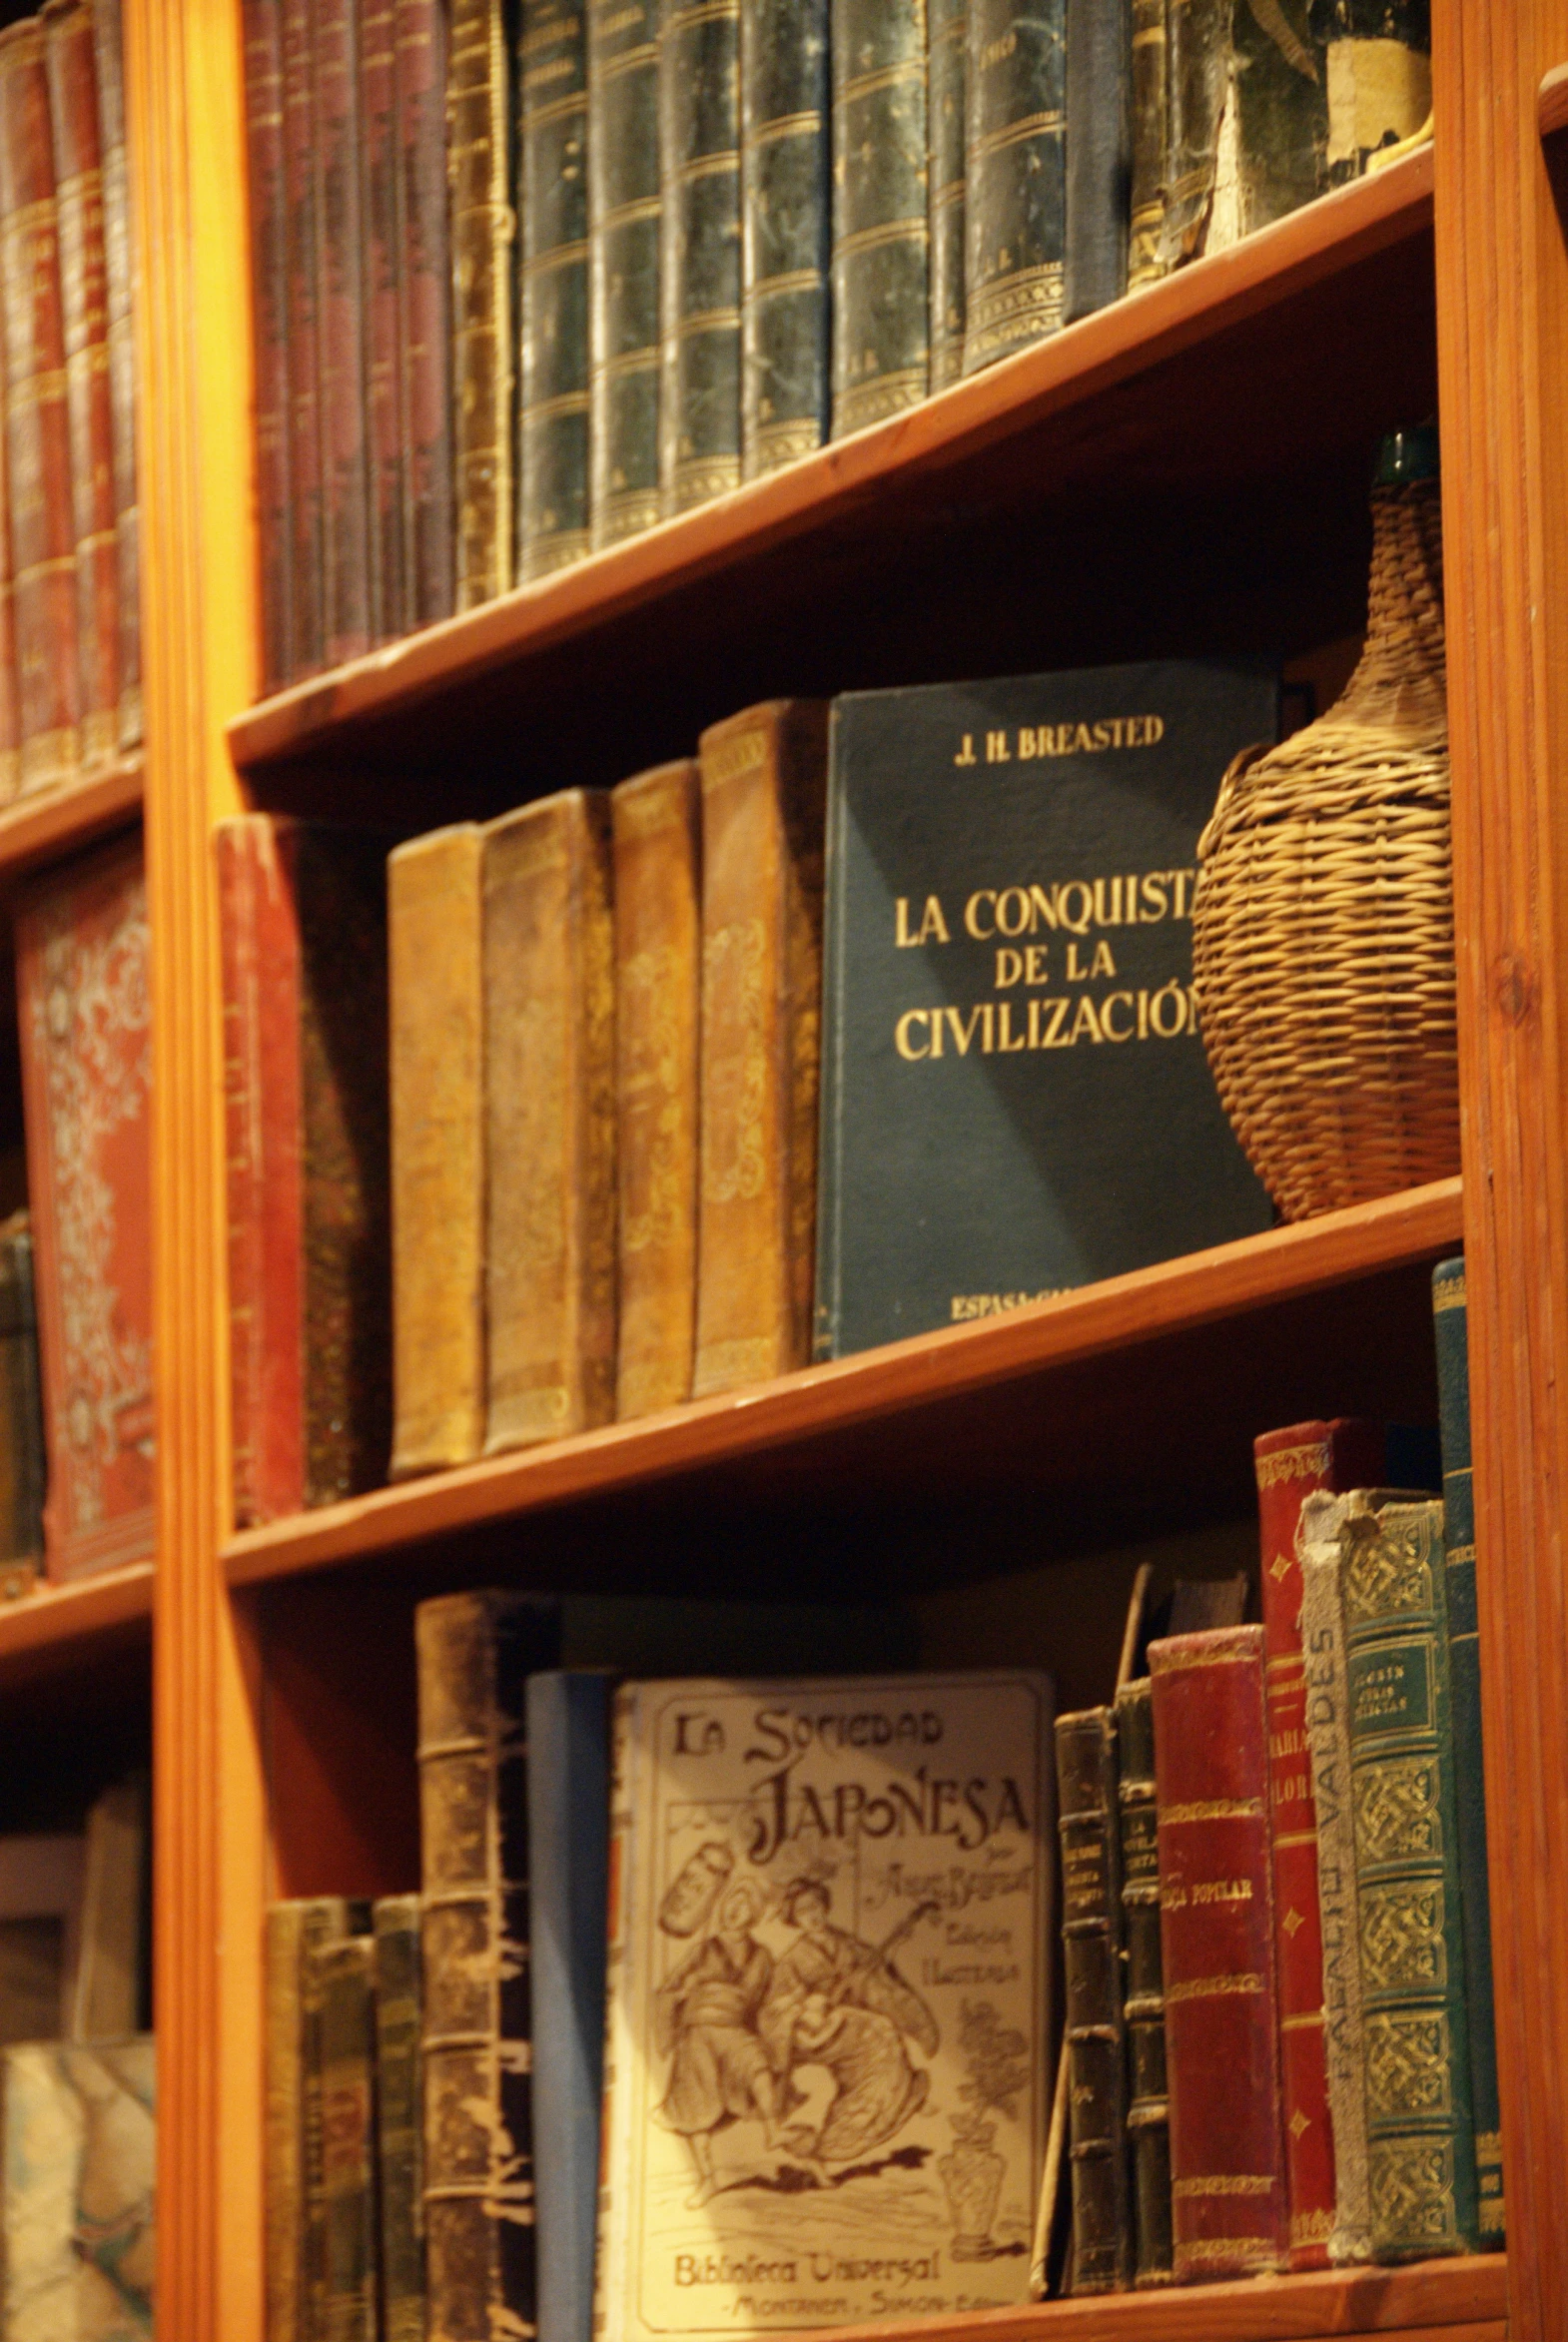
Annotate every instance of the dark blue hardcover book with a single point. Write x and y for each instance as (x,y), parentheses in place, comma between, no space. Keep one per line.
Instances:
(1014,1095)
(1099,154)
(552,406)
(699,162)
(881,232)
(786,231)
(623,268)
(945,24)
(1015,176)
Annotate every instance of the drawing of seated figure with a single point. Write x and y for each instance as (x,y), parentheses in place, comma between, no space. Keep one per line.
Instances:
(705,2018)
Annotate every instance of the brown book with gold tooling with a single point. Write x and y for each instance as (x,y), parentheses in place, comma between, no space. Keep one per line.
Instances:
(764,784)
(437,1149)
(291,2132)
(121,269)
(657,836)
(549,1087)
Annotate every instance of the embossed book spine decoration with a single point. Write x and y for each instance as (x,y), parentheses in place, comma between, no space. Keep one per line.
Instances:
(881,229)
(1421,2148)
(346,531)
(1150,112)
(1099,154)
(304,944)
(483,228)
(436,986)
(83,302)
(1149,2111)
(623,268)
(400,2118)
(786,231)
(947,29)
(291,2137)
(41,511)
(262,22)
(1197,80)
(1379,72)
(1291,1465)
(302,192)
(1450,1318)
(1229,2205)
(1017,176)
(21,1412)
(549,1087)
(552,89)
(658,857)
(382,273)
(342,1984)
(425,401)
(81,983)
(1092,1954)
(764,779)
(476,1651)
(699,256)
(121,270)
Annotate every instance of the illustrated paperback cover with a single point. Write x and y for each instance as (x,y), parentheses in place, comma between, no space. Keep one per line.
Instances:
(79,2191)
(827,2072)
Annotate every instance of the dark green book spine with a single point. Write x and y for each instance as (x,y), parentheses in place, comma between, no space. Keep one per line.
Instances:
(881,233)
(1015,176)
(552,460)
(623,268)
(1099,154)
(1422,2155)
(1280,83)
(1092,1958)
(944,61)
(1197,73)
(1464,1665)
(699,150)
(399,2103)
(1149,2109)
(786,231)
(1151,109)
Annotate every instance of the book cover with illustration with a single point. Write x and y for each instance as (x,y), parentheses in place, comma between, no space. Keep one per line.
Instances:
(78,2231)
(826,2070)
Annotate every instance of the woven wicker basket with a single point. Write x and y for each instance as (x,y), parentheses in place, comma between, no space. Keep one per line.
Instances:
(1324,945)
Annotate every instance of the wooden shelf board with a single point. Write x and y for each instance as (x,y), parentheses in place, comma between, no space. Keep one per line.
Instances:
(45,1627)
(1046,406)
(35,828)
(1551,104)
(1097,1321)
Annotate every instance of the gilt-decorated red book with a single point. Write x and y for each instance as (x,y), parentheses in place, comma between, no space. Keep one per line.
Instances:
(1230,2209)
(82,988)
(1292,1464)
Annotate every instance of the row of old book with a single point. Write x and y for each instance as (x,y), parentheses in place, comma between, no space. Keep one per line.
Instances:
(1297,1804)
(70,658)
(529,280)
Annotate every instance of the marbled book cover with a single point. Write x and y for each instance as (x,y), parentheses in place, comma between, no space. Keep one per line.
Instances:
(79,2190)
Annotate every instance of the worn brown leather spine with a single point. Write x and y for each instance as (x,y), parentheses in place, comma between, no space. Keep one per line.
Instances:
(427,310)
(657,832)
(345,534)
(302,195)
(382,272)
(121,267)
(262,22)
(437,1149)
(763,811)
(10,677)
(343,1986)
(1094,1960)
(475,1654)
(84,303)
(292,2130)
(38,423)
(549,1084)
(1150,110)
(400,2105)
(483,229)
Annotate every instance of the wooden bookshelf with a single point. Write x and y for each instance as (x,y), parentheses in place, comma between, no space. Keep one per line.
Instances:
(54,1627)
(53,822)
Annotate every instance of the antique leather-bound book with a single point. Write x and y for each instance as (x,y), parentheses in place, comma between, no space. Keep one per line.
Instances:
(1151,118)
(122,356)
(436,985)
(549,1090)
(947,26)
(37,425)
(346,525)
(1016,173)
(655,822)
(483,230)
(343,1983)
(1272,150)
(10,676)
(1292,1464)
(81,983)
(1099,154)
(1403,1763)
(474,1653)
(382,281)
(1229,2204)
(1149,2111)
(1379,75)
(263,23)
(1450,1319)
(624,351)
(400,2117)
(1091,1951)
(303,949)
(1198,82)
(426,404)
(763,786)
(552,92)
(84,301)
(291,2132)
(699,258)
(302,195)
(786,233)
(21,1414)
(880,231)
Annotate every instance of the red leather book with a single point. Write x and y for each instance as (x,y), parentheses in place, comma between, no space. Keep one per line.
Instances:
(426,378)
(302,209)
(1291,1464)
(345,537)
(82,991)
(383,276)
(122,356)
(1229,2205)
(303,910)
(263,21)
(84,300)
(10,682)
(38,421)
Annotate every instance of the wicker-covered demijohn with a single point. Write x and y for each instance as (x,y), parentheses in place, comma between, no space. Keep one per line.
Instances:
(1322,944)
